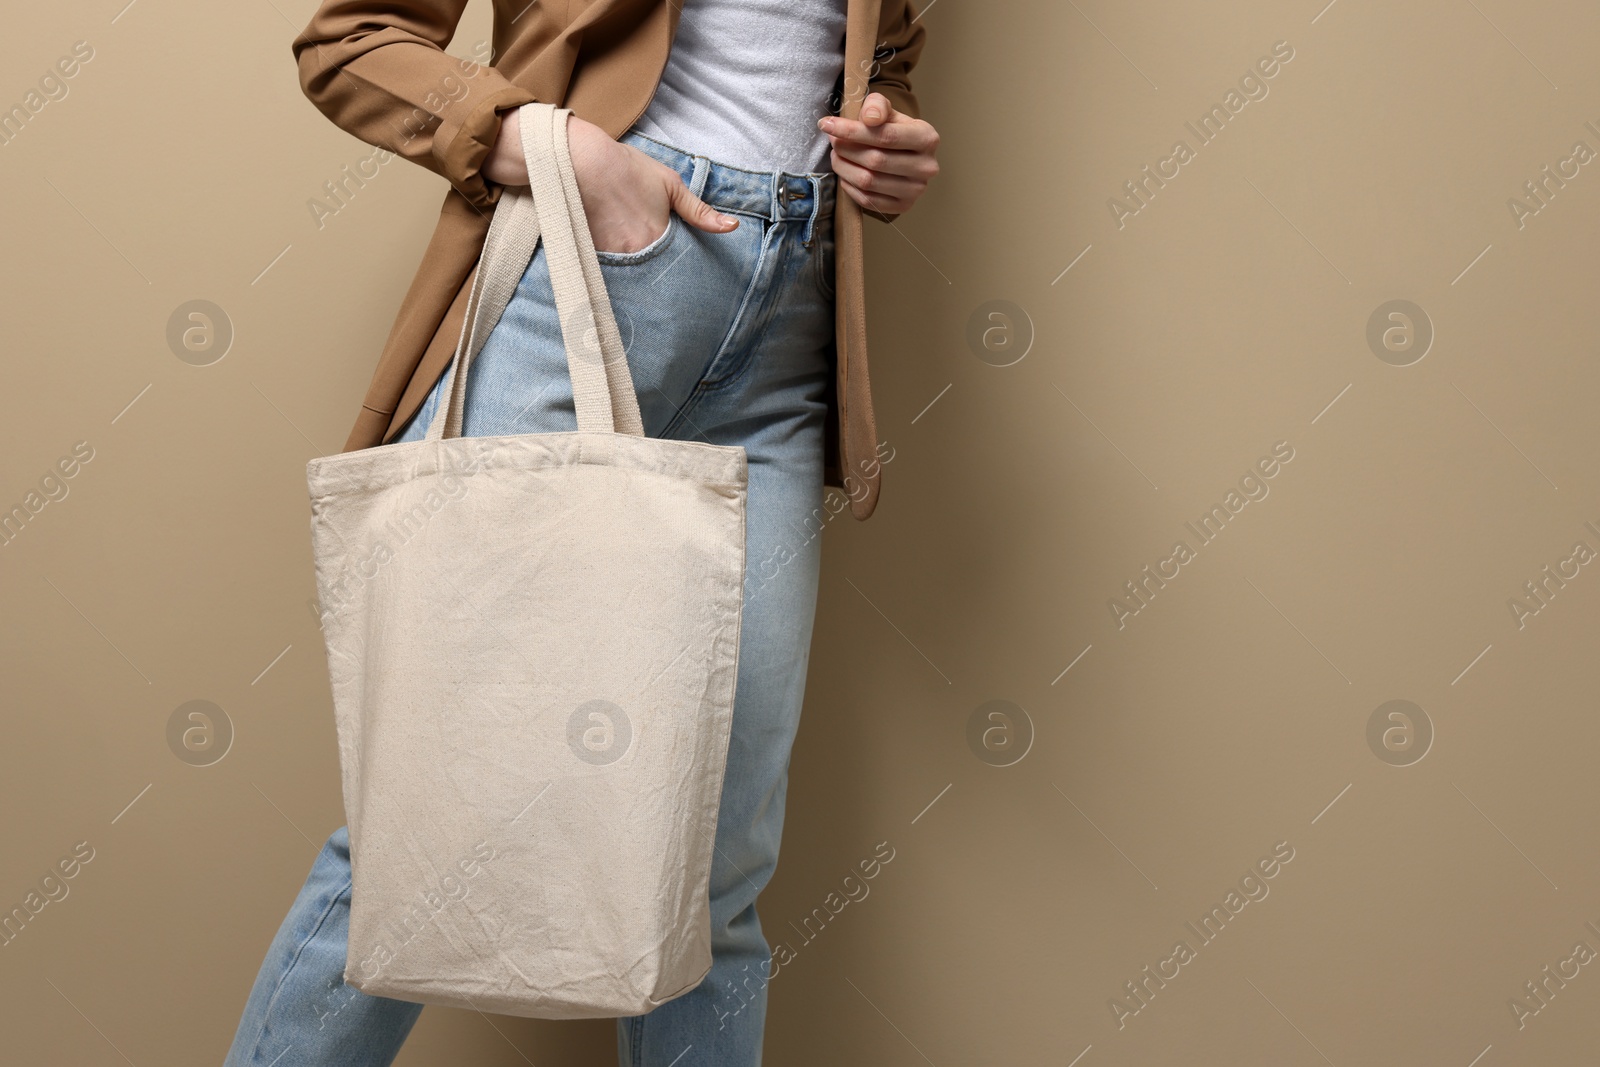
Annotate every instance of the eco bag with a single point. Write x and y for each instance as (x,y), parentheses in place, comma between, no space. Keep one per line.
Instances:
(533,643)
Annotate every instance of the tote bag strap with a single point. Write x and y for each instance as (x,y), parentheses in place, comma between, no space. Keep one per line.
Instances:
(551,209)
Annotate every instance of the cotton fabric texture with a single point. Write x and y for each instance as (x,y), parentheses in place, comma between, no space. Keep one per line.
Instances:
(747,80)
(533,685)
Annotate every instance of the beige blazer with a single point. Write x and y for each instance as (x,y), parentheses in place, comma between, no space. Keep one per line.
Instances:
(379,71)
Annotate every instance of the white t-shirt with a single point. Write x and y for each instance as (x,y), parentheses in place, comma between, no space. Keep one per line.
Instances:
(747,80)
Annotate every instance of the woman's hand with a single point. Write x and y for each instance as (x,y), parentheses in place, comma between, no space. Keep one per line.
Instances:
(884,160)
(627,196)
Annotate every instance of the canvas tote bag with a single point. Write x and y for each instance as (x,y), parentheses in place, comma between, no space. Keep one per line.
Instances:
(533,642)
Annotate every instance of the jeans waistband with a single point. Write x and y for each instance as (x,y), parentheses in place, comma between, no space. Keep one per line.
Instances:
(774,195)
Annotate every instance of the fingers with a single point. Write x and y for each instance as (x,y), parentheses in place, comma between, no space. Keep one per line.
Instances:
(885,158)
(693,210)
(876,109)
(883,187)
(918,166)
(872,203)
(903,133)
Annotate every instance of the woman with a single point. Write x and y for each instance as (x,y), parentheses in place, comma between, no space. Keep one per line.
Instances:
(715,186)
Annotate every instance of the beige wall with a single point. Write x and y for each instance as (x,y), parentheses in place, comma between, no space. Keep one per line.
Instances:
(1169,755)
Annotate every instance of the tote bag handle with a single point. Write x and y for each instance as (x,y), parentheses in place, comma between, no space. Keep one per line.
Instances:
(551,208)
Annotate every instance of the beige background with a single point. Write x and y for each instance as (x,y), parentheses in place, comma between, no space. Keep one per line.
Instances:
(1229,715)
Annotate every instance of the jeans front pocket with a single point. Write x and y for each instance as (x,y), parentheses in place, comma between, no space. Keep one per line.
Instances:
(645,254)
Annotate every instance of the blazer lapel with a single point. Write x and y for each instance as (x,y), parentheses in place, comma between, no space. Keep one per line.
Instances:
(861,31)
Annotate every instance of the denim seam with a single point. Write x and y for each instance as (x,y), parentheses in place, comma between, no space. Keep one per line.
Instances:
(642,255)
(819,267)
(681,416)
(638,1041)
(703,386)
(768,241)
(726,210)
(316,928)
(816,202)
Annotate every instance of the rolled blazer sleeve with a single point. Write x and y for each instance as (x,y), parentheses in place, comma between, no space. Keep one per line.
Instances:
(899,46)
(380,72)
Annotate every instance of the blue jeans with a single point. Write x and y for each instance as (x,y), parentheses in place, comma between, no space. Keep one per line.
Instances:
(730,339)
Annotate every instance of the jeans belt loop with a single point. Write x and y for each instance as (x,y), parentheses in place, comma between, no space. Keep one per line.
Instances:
(816,202)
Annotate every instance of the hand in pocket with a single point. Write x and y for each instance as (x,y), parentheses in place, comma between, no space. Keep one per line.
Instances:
(628,197)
